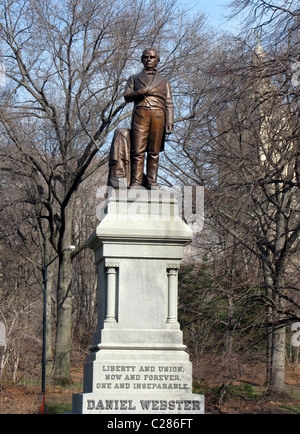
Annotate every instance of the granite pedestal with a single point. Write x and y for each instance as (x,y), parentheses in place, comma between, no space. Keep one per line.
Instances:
(138,362)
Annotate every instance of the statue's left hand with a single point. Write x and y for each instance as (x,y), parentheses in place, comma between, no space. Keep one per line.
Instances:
(169,128)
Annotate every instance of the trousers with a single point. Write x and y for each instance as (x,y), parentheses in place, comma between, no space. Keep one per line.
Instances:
(147,135)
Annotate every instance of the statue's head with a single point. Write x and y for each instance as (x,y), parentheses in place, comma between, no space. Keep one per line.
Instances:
(150,58)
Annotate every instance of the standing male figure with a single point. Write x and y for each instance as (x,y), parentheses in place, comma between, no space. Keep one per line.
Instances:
(152,118)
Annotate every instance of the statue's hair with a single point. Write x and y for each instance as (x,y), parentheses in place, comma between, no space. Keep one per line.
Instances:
(152,49)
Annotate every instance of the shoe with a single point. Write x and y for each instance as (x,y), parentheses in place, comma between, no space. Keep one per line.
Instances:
(153,187)
(136,186)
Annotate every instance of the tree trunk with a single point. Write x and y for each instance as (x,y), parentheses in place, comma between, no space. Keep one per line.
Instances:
(63,329)
(269,285)
(227,352)
(277,383)
(49,321)
(276,335)
(62,373)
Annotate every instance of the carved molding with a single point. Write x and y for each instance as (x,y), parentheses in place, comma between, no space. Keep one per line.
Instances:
(111,265)
(173,267)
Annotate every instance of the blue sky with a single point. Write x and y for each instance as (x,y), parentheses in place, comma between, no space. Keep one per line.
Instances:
(216,11)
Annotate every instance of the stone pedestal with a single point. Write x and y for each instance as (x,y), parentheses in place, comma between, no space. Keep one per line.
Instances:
(138,363)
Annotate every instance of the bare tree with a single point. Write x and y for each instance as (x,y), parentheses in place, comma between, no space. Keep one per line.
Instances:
(252,138)
(20,300)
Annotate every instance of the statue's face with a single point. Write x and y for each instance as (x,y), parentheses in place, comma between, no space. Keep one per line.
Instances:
(150,59)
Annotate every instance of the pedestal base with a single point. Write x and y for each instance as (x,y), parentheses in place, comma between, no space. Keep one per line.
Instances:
(106,403)
(138,362)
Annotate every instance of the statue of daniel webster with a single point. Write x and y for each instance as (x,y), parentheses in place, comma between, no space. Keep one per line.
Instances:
(152,118)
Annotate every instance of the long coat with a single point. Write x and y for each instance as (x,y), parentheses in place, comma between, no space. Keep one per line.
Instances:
(159,94)
(119,159)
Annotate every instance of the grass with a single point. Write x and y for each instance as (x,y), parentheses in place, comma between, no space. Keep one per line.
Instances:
(291,409)
(59,408)
(226,391)
(243,390)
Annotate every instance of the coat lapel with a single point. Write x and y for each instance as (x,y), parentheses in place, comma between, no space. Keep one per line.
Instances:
(145,79)
(157,80)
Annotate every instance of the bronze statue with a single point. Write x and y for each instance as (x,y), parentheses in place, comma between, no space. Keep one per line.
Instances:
(152,118)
